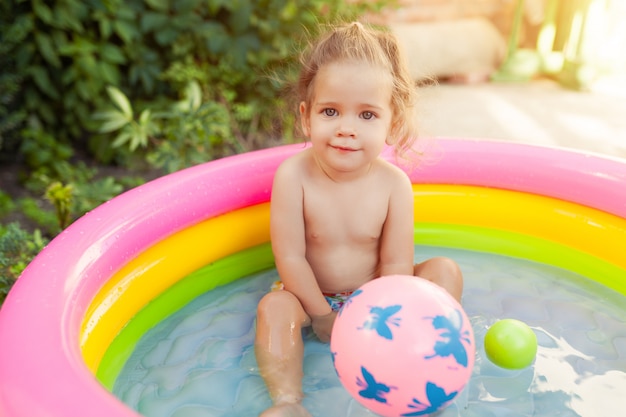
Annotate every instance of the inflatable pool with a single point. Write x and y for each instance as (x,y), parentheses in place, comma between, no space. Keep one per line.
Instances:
(59,326)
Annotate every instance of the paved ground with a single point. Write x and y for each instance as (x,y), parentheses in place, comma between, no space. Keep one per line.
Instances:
(539,112)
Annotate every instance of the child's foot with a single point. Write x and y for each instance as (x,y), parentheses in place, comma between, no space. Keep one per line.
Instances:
(286,410)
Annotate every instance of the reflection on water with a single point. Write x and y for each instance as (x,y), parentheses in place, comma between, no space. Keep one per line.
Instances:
(200,362)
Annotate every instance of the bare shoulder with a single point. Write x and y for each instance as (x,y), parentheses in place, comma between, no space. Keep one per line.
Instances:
(291,173)
(392,176)
(295,165)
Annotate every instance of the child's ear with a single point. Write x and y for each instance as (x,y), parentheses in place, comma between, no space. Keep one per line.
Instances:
(305,120)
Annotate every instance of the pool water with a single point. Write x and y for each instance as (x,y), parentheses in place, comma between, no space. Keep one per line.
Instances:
(199,362)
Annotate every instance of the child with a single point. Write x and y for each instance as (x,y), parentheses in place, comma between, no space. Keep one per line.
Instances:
(340,215)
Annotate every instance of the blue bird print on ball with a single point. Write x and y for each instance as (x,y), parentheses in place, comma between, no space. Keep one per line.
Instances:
(381,318)
(437,397)
(372,389)
(451,343)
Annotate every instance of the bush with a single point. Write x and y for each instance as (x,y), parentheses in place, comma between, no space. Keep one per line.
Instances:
(59,57)
(204,78)
(17,248)
(186,133)
(76,191)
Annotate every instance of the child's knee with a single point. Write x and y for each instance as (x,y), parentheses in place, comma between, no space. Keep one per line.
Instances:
(439,266)
(276,306)
(449,267)
(443,271)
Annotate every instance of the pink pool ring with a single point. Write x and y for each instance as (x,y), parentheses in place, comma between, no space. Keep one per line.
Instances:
(42,370)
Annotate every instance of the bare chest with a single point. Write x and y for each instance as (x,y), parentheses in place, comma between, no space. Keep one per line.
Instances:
(344,216)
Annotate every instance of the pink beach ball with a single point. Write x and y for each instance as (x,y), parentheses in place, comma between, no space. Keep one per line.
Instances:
(402,346)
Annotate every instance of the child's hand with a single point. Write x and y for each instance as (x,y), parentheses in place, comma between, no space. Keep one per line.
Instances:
(323,325)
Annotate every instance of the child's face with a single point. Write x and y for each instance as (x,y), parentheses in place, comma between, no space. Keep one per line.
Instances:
(350,115)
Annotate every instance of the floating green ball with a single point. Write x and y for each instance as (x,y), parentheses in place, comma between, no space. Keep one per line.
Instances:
(511,344)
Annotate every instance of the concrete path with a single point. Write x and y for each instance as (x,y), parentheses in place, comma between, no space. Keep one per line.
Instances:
(538,112)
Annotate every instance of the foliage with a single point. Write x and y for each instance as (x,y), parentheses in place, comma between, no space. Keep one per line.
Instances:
(60,56)
(6,204)
(77,191)
(134,132)
(51,204)
(172,82)
(43,153)
(191,131)
(17,248)
(9,85)
(39,214)
(61,197)
(182,135)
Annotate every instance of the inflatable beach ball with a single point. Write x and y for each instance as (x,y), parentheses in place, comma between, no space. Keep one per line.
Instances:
(402,346)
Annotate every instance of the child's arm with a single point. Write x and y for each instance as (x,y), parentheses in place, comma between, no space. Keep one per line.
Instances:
(397,244)
(288,240)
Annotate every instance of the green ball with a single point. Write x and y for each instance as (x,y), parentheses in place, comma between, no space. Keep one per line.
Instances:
(511,344)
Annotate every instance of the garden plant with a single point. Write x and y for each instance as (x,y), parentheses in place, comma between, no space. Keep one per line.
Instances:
(98,96)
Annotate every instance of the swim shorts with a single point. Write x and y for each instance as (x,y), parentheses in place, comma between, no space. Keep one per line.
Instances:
(335,301)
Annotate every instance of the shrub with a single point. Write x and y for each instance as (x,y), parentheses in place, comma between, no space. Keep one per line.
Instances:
(60,55)
(76,191)
(186,133)
(17,248)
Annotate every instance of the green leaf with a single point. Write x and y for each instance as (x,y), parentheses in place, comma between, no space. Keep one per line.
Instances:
(112,53)
(160,5)
(43,12)
(144,118)
(215,5)
(139,137)
(121,139)
(152,21)
(240,17)
(47,113)
(218,40)
(290,11)
(110,73)
(185,6)
(42,80)
(112,125)
(60,39)
(113,120)
(87,64)
(184,22)
(125,30)
(124,10)
(166,36)
(107,114)
(120,101)
(133,74)
(85,45)
(84,90)
(145,74)
(104,25)
(69,75)
(47,50)
(68,19)
(193,95)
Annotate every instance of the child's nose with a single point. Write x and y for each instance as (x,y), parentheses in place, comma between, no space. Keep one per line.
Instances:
(346,129)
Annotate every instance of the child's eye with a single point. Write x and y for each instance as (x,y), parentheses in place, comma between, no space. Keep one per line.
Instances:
(367,115)
(329,112)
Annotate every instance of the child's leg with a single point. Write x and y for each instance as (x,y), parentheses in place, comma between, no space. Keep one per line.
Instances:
(443,272)
(279,350)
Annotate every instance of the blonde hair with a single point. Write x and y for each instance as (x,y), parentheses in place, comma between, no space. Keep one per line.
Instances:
(356,42)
